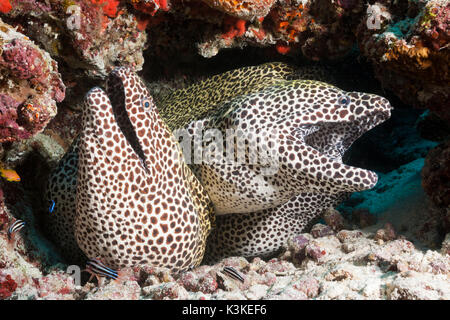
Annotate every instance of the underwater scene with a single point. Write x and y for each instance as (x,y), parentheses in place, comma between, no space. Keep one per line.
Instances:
(224,150)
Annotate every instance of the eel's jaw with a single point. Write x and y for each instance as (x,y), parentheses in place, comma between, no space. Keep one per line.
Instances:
(333,176)
(328,141)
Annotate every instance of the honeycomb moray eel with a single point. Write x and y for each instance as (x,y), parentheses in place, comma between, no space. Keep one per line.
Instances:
(177,108)
(220,99)
(136,202)
(199,100)
(303,128)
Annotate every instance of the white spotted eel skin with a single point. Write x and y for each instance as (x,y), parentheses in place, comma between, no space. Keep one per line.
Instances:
(256,213)
(136,200)
(269,196)
(177,109)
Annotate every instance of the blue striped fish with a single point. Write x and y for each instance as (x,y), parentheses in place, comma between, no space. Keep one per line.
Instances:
(233,273)
(97,268)
(52,207)
(15,227)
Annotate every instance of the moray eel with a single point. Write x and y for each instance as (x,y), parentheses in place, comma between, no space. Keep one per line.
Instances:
(288,208)
(136,200)
(61,193)
(299,130)
(177,109)
(197,101)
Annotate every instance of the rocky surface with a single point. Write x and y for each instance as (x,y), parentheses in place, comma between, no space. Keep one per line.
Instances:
(371,263)
(436,182)
(409,49)
(30,86)
(406,41)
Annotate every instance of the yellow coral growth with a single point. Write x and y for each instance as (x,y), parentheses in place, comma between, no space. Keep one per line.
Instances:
(417,54)
(291,22)
(244,9)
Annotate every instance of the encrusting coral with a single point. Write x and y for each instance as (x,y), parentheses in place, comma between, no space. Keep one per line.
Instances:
(244,9)
(30,86)
(406,42)
(410,52)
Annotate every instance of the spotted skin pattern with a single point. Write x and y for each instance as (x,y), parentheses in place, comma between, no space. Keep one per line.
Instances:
(177,109)
(263,233)
(137,202)
(199,100)
(314,124)
(291,209)
(61,188)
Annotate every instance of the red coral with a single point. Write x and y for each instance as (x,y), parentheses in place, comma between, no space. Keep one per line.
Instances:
(109,7)
(282,48)
(7,287)
(5,6)
(151,7)
(234,28)
(163,5)
(65,290)
(260,34)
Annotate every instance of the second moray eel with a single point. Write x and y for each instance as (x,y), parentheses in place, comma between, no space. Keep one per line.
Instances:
(177,109)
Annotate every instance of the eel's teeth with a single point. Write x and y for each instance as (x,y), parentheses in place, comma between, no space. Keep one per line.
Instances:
(305,130)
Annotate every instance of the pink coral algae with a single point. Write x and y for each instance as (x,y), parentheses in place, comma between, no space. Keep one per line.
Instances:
(10,130)
(7,287)
(23,61)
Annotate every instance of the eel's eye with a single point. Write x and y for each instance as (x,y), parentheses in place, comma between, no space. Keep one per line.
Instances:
(344,100)
(146,103)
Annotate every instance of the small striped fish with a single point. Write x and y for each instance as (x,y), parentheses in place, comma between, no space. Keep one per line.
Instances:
(52,207)
(96,268)
(233,273)
(15,227)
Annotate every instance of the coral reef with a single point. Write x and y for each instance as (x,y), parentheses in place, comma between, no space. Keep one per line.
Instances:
(407,43)
(436,181)
(93,35)
(30,86)
(408,46)
(244,9)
